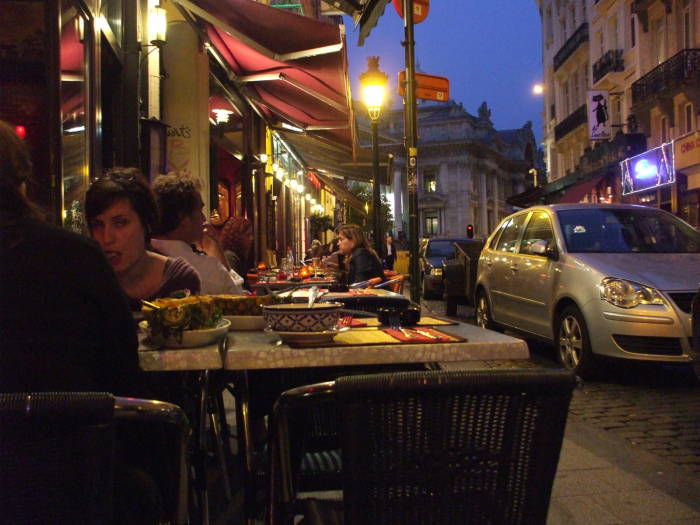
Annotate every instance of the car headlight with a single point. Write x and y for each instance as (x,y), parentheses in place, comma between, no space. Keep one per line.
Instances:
(628,294)
(436,271)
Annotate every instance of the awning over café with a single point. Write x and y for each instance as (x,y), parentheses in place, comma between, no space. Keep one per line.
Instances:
(292,68)
(341,192)
(576,192)
(336,159)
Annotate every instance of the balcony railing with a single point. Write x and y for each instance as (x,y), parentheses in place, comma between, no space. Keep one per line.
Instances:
(570,123)
(572,44)
(681,68)
(611,61)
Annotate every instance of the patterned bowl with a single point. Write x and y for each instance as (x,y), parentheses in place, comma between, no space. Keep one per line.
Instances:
(298,317)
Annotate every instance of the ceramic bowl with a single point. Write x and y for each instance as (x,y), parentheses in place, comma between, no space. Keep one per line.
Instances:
(298,317)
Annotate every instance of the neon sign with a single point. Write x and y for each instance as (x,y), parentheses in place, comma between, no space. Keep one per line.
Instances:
(648,170)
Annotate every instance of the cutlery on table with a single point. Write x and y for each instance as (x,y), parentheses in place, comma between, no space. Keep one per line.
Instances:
(406,333)
(427,334)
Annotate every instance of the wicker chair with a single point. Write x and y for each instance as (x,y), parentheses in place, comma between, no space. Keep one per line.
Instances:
(57,456)
(432,447)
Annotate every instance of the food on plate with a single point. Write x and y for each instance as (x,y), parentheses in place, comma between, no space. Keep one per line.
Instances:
(242,304)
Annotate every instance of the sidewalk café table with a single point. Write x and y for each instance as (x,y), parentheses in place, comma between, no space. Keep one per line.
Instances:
(363,299)
(258,350)
(202,361)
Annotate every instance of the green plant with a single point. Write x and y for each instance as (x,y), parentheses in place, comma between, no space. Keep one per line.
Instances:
(319,224)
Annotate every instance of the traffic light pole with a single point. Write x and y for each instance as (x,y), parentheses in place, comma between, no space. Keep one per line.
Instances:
(411,149)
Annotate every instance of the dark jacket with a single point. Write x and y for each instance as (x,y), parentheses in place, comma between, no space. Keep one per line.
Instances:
(363,265)
(64,321)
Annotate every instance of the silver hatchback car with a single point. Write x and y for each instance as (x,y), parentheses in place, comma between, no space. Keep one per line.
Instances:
(606,279)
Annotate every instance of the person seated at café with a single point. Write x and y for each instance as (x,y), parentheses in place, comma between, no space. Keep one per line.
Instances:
(65,323)
(361,261)
(181,229)
(121,215)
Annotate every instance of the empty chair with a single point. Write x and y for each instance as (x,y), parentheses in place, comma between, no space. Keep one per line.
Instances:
(57,456)
(434,447)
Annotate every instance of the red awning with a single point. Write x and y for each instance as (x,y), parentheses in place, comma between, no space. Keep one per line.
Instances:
(294,68)
(576,192)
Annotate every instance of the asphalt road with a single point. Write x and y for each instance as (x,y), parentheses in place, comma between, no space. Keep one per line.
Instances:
(654,407)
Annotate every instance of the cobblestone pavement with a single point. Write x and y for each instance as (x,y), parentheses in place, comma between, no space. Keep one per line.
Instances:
(651,406)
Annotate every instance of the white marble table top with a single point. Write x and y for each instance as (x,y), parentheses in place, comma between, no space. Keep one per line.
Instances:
(260,350)
(178,359)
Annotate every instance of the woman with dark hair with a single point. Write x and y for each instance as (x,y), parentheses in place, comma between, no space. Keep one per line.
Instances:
(121,215)
(64,321)
(361,260)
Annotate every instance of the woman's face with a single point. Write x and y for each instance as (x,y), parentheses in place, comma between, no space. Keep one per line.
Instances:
(119,232)
(345,244)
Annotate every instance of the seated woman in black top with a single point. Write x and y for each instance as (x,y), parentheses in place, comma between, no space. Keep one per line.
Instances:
(361,261)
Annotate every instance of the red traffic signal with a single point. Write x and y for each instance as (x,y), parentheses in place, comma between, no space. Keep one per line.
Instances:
(470,231)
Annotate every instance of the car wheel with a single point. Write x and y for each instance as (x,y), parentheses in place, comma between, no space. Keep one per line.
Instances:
(482,313)
(572,342)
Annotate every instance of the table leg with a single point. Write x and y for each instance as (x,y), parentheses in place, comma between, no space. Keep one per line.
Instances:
(200,448)
(245,442)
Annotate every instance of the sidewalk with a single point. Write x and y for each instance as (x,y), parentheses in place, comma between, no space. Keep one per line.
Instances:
(603,480)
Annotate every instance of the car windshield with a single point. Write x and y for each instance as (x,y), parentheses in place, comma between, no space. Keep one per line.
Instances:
(440,249)
(626,231)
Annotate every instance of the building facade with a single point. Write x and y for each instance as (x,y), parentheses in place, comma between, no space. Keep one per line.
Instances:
(466,169)
(645,55)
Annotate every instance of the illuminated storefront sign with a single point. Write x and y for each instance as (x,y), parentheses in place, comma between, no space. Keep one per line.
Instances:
(648,170)
(686,151)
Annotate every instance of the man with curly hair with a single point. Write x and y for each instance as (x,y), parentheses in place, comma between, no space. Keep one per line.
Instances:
(182,228)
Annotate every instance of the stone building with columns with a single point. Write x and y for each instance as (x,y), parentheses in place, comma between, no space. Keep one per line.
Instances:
(466,168)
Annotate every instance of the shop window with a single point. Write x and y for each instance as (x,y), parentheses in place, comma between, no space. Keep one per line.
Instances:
(431,223)
(74,122)
(429,180)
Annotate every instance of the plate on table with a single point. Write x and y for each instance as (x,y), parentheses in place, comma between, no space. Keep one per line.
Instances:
(190,338)
(308,338)
(245,322)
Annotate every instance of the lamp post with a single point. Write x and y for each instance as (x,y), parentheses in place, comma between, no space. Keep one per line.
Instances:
(373,83)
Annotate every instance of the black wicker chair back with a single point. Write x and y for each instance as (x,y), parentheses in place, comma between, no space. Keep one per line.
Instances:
(58,453)
(437,447)
(56,458)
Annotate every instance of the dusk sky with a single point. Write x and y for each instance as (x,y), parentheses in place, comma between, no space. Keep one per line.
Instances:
(490,51)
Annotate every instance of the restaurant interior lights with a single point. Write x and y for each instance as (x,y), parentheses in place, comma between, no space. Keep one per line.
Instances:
(308,197)
(222,115)
(263,158)
(157,26)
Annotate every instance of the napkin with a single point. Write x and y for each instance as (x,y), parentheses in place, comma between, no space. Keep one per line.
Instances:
(416,337)
(348,320)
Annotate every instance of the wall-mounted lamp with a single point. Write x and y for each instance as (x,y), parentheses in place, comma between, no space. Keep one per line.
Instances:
(263,158)
(157,26)
(308,197)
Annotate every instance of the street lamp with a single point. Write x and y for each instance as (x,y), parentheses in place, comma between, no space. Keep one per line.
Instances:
(374,83)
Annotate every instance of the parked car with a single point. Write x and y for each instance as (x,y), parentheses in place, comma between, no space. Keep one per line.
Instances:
(594,279)
(431,255)
(459,274)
